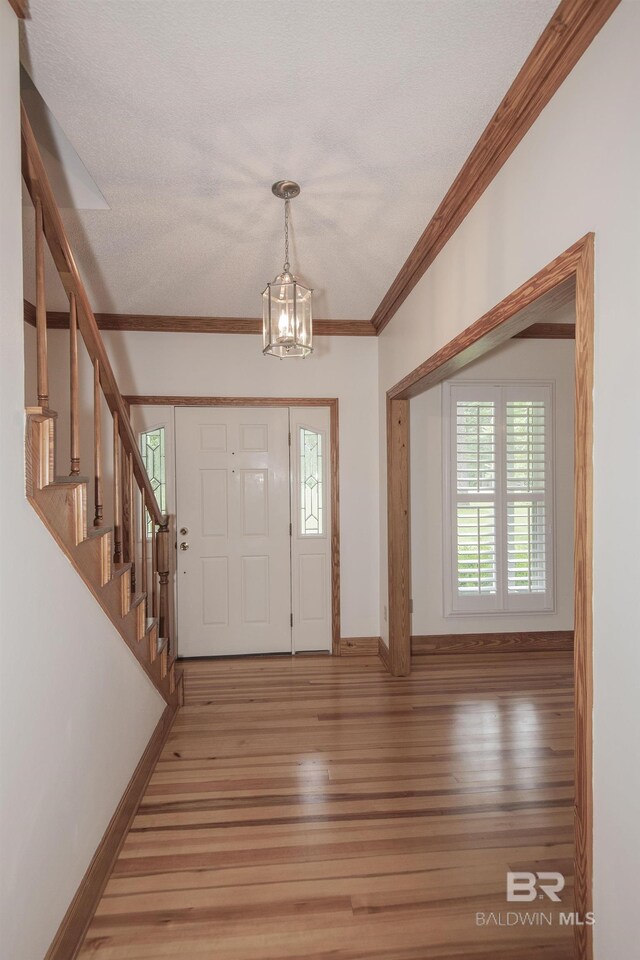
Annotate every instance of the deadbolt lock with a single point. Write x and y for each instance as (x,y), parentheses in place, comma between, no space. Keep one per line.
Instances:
(184,531)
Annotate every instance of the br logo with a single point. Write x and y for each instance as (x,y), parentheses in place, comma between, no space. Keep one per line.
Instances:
(524,886)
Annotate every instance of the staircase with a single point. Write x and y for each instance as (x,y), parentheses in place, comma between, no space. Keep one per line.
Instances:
(128,571)
(61,503)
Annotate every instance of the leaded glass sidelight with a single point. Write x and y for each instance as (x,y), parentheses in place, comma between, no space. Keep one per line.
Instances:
(153,456)
(312,489)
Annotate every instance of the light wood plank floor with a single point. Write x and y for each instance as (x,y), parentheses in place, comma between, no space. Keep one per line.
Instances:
(317,809)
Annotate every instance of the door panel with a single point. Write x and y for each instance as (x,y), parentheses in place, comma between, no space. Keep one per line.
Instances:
(311,525)
(234,586)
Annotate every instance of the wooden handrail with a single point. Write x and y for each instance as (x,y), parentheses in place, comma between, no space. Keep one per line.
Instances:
(40,191)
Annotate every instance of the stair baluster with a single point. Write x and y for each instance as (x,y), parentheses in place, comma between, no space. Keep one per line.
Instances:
(143,544)
(73,389)
(97,445)
(41,312)
(117,499)
(154,571)
(132,520)
(163,574)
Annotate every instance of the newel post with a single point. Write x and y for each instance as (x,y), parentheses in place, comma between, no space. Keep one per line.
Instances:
(162,551)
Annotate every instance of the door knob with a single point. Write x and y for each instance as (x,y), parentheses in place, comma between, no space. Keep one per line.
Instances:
(184,545)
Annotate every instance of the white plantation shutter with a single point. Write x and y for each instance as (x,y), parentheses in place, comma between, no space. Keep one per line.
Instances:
(528,482)
(498,487)
(475,453)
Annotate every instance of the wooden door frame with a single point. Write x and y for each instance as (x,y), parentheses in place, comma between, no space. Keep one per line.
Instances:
(332,404)
(571,275)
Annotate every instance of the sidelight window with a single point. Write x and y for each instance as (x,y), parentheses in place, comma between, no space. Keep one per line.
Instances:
(311,482)
(152,449)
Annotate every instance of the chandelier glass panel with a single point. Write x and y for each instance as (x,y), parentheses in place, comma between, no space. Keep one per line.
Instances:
(286,303)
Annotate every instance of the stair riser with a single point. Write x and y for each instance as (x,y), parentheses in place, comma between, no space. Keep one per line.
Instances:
(96,558)
(65,508)
(141,620)
(40,453)
(153,643)
(125,593)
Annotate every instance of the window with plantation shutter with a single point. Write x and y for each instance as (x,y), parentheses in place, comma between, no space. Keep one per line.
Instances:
(498,498)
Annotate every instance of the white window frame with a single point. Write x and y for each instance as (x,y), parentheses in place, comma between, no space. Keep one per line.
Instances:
(501,603)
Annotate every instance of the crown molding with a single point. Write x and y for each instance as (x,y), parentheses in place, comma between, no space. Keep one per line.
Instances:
(571,29)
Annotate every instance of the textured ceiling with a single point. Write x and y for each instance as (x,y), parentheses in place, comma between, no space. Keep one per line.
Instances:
(185,111)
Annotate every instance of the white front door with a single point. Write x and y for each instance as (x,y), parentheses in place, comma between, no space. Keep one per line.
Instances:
(233,564)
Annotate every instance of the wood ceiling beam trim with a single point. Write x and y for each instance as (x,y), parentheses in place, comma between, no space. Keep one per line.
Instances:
(358,328)
(548,331)
(167,324)
(565,38)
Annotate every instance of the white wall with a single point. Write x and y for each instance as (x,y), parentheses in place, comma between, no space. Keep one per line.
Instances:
(549,360)
(575,171)
(76,709)
(233,365)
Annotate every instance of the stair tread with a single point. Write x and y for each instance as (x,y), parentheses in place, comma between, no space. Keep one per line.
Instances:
(45,412)
(138,599)
(94,533)
(151,623)
(118,569)
(70,479)
(162,643)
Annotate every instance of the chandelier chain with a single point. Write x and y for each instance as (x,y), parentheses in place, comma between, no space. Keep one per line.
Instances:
(286,236)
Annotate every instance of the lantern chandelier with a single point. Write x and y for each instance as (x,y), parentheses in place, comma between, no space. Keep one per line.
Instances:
(286,304)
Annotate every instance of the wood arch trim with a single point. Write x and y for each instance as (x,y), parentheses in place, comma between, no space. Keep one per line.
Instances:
(334,420)
(570,274)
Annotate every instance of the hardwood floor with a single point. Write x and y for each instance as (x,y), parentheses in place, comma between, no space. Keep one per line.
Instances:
(316,807)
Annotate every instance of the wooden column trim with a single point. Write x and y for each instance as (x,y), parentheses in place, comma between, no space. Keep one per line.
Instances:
(398,536)
(334,466)
(583,595)
(571,29)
